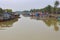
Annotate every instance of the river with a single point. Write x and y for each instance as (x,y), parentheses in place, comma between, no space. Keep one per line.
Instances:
(30,28)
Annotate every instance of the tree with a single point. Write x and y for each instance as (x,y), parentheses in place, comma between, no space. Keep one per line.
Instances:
(56,3)
(8,10)
(55,6)
(1,10)
(33,10)
(48,9)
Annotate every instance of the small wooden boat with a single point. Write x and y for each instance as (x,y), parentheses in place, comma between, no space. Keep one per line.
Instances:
(58,18)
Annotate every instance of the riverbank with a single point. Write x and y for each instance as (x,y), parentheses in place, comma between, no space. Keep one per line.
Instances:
(8,16)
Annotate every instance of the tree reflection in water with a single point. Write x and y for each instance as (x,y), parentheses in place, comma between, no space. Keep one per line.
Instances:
(48,21)
(52,21)
(8,23)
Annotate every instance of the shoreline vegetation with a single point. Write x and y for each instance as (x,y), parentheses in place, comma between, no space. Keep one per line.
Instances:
(47,11)
(8,14)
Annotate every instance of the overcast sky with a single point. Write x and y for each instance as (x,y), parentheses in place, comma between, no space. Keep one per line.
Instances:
(18,5)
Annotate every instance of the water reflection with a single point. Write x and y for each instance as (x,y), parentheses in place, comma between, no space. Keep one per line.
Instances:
(52,22)
(26,28)
(48,21)
(8,23)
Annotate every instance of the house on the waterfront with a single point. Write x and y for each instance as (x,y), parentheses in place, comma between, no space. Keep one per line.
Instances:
(40,14)
(32,14)
(58,12)
(6,16)
(15,14)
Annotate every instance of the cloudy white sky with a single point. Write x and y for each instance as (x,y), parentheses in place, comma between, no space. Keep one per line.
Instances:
(18,5)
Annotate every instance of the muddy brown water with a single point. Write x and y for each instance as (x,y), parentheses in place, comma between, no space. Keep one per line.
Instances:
(30,28)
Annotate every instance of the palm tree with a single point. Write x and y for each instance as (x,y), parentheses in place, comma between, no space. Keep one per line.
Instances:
(55,6)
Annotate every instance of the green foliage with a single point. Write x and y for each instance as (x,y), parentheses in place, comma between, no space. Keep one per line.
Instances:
(48,9)
(8,10)
(34,10)
(55,6)
(58,9)
(1,10)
